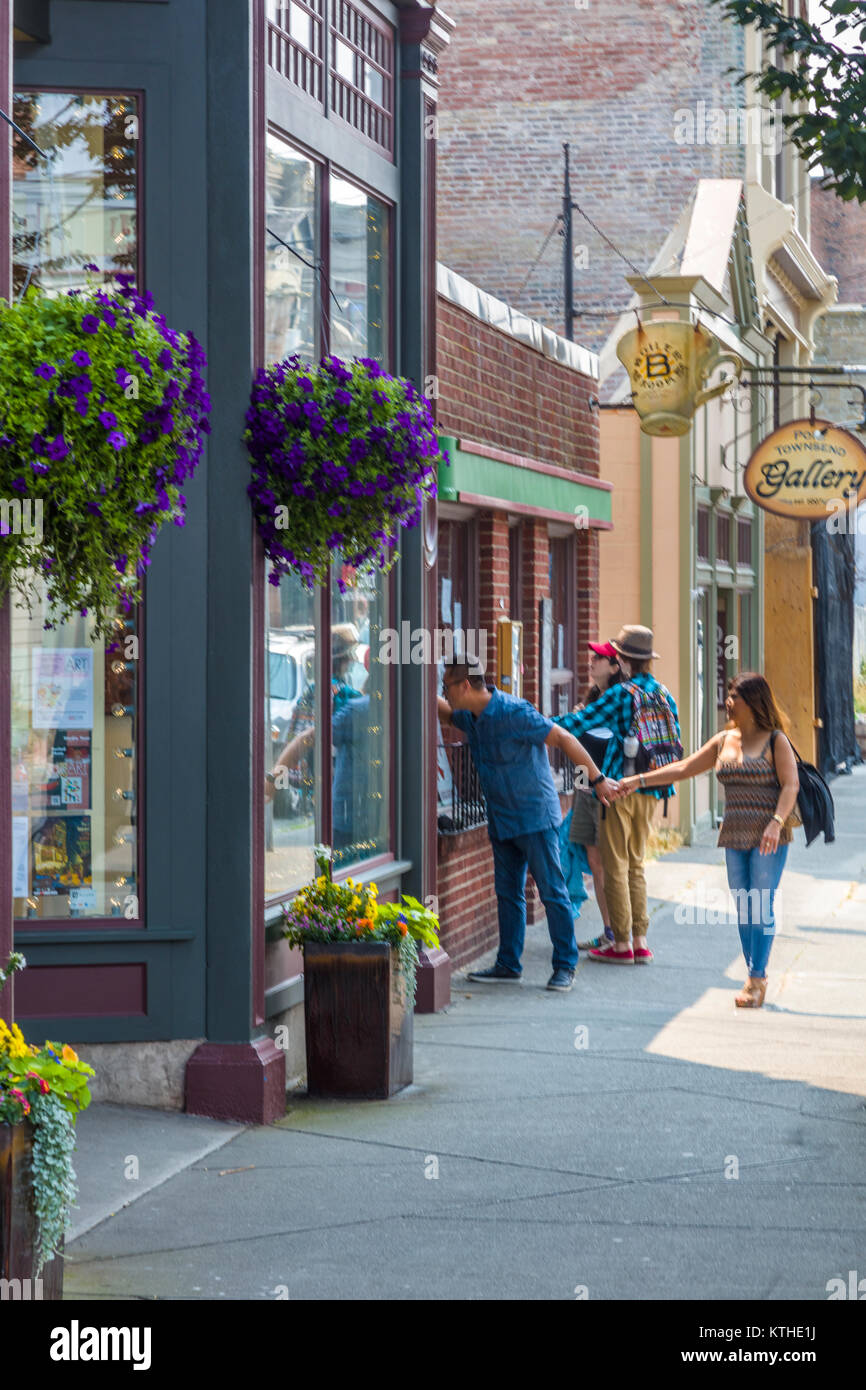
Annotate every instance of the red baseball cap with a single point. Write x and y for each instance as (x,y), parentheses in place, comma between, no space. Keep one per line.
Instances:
(603,649)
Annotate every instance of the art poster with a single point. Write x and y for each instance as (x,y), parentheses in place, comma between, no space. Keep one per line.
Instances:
(61,855)
(62,688)
(63,779)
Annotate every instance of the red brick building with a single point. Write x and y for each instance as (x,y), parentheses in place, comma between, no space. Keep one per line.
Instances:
(520,510)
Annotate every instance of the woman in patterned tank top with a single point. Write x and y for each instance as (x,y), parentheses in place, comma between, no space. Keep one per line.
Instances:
(759,775)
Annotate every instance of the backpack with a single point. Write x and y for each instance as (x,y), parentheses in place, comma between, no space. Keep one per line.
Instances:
(655,727)
(814,799)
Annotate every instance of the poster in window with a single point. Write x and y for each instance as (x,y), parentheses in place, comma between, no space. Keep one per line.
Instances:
(61,855)
(62,688)
(20,883)
(63,778)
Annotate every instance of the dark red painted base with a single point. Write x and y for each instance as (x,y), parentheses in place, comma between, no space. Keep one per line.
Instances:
(244,1082)
(18,1229)
(434,981)
(358,1029)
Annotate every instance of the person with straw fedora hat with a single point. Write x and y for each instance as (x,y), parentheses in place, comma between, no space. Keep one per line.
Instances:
(643,716)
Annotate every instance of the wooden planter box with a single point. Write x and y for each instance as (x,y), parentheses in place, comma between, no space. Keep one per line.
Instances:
(358,1029)
(18,1222)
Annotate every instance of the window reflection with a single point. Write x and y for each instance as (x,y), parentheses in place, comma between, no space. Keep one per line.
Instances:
(291,289)
(359,716)
(78,206)
(359,272)
(290,724)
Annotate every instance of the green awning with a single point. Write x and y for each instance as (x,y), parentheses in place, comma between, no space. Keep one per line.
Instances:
(521,486)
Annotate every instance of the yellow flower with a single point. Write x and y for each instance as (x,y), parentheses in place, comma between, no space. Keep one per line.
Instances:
(68,1055)
(12,1041)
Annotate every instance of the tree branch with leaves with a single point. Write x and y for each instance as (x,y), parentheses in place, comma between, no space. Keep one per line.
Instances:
(824,81)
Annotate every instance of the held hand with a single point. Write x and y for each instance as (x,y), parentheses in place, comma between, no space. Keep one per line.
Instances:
(770,837)
(607,791)
(627,785)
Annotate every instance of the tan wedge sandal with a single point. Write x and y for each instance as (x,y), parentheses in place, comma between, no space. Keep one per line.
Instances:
(752,994)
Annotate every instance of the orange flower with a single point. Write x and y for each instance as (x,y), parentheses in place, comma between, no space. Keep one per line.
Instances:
(68,1055)
(404,930)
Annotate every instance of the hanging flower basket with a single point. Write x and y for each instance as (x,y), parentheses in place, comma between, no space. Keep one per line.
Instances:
(102,412)
(343,456)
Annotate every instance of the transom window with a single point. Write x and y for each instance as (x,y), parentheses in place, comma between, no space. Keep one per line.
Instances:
(342,57)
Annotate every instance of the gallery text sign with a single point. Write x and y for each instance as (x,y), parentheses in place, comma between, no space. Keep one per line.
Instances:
(806,470)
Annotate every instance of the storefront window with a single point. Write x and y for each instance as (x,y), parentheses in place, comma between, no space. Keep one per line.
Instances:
(360,716)
(74,770)
(76,206)
(359,272)
(292,297)
(290,729)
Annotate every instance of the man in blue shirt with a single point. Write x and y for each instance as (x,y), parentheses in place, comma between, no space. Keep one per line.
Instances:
(625,829)
(509,741)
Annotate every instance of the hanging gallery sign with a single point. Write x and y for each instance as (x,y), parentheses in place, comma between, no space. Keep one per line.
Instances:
(807,470)
(669,363)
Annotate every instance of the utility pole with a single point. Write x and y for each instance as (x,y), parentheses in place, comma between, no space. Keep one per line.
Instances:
(567,232)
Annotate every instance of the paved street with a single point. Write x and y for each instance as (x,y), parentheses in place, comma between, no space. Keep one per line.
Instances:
(683,1149)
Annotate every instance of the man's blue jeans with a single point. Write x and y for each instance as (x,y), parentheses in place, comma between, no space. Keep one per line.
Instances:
(538,852)
(753,879)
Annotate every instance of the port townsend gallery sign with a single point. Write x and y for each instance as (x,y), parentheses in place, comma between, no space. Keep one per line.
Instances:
(807,470)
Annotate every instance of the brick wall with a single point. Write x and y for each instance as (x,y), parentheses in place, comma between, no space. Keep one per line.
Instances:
(840,338)
(838,239)
(501,392)
(493,580)
(520,79)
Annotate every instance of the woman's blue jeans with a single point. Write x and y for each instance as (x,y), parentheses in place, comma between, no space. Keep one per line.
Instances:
(753,879)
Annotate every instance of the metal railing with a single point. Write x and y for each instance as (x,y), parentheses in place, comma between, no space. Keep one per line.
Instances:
(563,770)
(461,801)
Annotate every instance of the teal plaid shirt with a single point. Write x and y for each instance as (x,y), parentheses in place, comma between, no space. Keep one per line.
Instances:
(615,710)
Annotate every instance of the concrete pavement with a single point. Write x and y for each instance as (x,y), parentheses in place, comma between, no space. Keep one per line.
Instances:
(636,1138)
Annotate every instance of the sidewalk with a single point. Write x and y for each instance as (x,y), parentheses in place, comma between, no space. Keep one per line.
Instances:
(676,1148)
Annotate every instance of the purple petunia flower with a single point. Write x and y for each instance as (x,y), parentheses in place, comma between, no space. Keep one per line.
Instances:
(90,324)
(166,359)
(109,318)
(121,563)
(108,419)
(122,377)
(81,358)
(38,467)
(45,370)
(342,397)
(57,448)
(94,508)
(341,425)
(116,439)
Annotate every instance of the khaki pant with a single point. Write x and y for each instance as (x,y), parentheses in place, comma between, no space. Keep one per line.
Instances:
(624,832)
